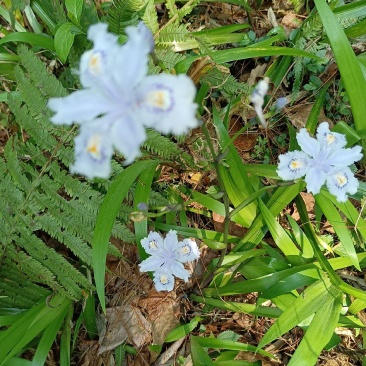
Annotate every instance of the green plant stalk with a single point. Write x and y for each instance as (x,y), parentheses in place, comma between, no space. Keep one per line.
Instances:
(216,161)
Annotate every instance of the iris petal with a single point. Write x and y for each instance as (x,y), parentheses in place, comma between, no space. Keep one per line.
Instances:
(345,157)
(80,106)
(308,144)
(93,152)
(293,165)
(164,281)
(153,244)
(165,103)
(127,136)
(342,182)
(179,271)
(187,251)
(152,263)
(330,140)
(314,179)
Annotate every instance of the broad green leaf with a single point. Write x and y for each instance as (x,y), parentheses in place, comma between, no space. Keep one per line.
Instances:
(347,62)
(47,339)
(352,214)
(65,343)
(278,201)
(260,284)
(239,307)
(243,53)
(351,135)
(74,7)
(262,170)
(195,233)
(282,240)
(313,119)
(15,361)
(319,332)
(30,325)
(182,330)
(309,302)
(292,282)
(339,227)
(64,38)
(199,355)
(106,216)
(301,238)
(36,40)
(225,344)
(142,193)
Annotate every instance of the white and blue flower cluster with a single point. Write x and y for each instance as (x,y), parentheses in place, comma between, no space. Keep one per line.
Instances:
(167,257)
(322,160)
(119,100)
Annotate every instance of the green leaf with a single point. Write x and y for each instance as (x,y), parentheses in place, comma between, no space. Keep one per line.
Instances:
(142,192)
(199,355)
(313,119)
(314,297)
(347,62)
(106,216)
(30,325)
(339,226)
(319,332)
(74,7)
(64,38)
(282,240)
(235,346)
(239,307)
(182,330)
(47,339)
(243,53)
(36,40)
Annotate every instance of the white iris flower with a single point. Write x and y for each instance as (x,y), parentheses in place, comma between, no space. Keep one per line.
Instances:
(167,257)
(119,100)
(322,160)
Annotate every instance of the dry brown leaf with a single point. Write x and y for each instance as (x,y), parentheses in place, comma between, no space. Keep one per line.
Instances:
(163,313)
(125,322)
(309,204)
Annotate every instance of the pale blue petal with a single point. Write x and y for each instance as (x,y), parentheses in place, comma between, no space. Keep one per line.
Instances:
(79,106)
(166,103)
(164,281)
(330,140)
(293,165)
(258,109)
(131,62)
(152,263)
(308,144)
(96,64)
(179,271)
(187,251)
(153,243)
(342,182)
(99,35)
(314,179)
(93,152)
(345,157)
(127,136)
(259,92)
(171,241)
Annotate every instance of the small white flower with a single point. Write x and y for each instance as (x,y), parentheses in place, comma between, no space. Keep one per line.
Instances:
(257,98)
(322,160)
(122,99)
(167,257)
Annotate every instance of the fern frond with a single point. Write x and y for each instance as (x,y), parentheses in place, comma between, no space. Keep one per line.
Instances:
(172,33)
(123,13)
